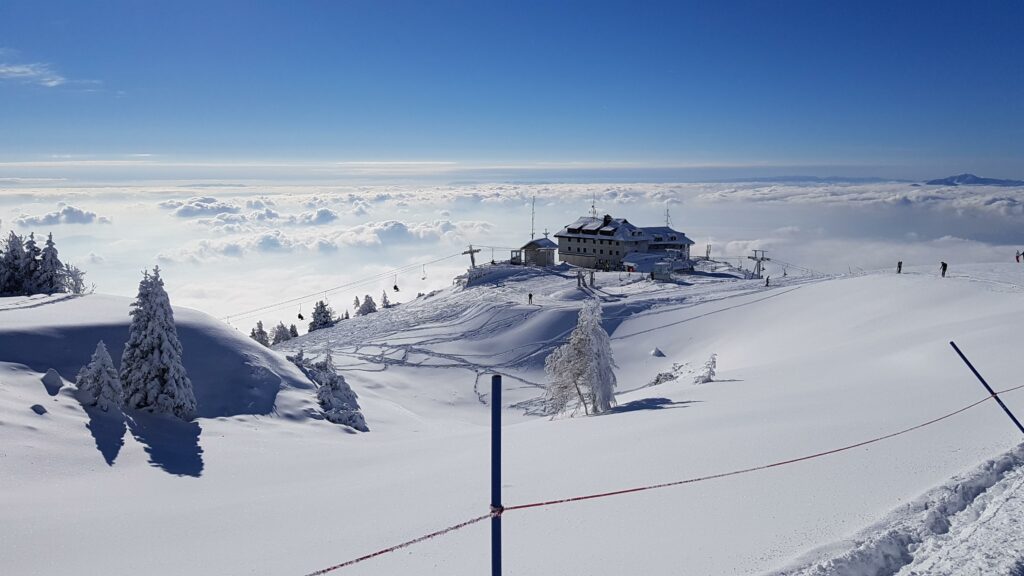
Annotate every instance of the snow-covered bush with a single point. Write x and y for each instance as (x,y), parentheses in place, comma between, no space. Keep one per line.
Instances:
(582,368)
(367,307)
(281,333)
(153,375)
(98,382)
(337,400)
(707,373)
(323,316)
(259,334)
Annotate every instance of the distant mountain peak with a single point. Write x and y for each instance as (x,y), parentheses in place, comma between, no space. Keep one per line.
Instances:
(968,179)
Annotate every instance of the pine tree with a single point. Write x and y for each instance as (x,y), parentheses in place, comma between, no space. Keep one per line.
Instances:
(323,316)
(98,382)
(293,331)
(30,266)
(259,334)
(280,334)
(367,307)
(51,277)
(338,401)
(346,315)
(11,280)
(384,302)
(707,374)
(357,302)
(74,280)
(582,367)
(151,370)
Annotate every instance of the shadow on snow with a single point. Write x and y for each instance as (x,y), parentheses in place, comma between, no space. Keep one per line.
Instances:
(172,444)
(650,404)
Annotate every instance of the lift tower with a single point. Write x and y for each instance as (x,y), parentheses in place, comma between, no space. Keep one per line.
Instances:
(759,258)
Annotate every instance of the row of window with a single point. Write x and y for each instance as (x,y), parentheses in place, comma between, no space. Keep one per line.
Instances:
(597,251)
(586,240)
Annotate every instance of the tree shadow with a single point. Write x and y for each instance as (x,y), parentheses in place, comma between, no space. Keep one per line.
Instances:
(172,444)
(107,429)
(650,404)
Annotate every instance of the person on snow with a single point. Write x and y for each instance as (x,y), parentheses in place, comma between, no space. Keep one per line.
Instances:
(529,298)
(942,268)
(899,267)
(1018,256)
(766,280)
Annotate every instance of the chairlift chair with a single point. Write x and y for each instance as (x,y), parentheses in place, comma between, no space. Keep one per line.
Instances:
(396,283)
(301,317)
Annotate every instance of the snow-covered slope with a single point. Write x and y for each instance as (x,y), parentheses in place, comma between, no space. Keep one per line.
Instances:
(804,366)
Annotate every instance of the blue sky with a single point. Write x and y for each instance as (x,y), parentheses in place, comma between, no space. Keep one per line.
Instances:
(897,89)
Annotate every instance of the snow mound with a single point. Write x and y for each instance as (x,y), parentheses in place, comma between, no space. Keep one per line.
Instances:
(231,374)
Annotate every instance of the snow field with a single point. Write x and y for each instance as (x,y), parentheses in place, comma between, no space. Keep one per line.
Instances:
(803,366)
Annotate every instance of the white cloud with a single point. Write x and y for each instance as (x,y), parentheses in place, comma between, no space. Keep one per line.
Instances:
(198,206)
(32,73)
(317,217)
(67,214)
(370,235)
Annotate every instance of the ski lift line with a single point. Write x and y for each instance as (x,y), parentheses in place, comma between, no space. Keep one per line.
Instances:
(495,512)
(354,283)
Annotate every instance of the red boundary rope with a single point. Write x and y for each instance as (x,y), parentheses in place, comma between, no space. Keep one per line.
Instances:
(656,486)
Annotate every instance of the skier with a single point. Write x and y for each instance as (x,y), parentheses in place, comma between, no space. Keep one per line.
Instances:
(529,298)
(766,280)
(899,267)
(1018,256)
(942,268)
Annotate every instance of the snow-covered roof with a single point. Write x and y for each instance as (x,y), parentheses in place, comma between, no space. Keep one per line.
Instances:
(621,229)
(540,244)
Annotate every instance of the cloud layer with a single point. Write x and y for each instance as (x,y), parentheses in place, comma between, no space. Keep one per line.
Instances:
(67,214)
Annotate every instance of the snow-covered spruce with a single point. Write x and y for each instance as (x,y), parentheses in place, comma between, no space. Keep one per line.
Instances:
(367,307)
(30,265)
(51,277)
(582,368)
(259,334)
(707,373)
(25,269)
(384,301)
(323,317)
(337,399)
(12,263)
(153,375)
(280,333)
(98,382)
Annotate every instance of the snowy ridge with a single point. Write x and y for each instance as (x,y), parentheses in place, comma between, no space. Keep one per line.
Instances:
(971,524)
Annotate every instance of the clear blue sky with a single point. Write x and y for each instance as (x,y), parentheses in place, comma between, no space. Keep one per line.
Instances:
(927,87)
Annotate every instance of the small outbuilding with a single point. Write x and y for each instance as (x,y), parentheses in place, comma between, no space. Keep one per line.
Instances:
(538,252)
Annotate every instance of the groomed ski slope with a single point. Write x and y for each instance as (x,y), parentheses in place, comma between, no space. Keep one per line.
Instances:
(806,365)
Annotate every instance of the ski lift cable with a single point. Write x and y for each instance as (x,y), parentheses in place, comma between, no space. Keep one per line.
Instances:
(366,280)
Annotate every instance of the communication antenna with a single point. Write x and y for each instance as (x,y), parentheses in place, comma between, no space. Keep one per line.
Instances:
(593,206)
(533,216)
(668,219)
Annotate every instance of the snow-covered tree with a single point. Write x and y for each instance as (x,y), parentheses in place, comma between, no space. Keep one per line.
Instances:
(259,334)
(338,401)
(346,315)
(582,368)
(30,265)
(707,373)
(280,333)
(152,372)
(357,302)
(293,331)
(384,302)
(74,280)
(323,316)
(98,382)
(367,307)
(51,277)
(12,283)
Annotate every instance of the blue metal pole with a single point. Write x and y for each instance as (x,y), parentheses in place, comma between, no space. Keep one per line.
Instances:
(989,388)
(496,508)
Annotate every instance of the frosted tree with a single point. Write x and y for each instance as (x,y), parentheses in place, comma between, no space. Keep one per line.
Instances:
(74,280)
(30,265)
(707,373)
(11,280)
(323,317)
(259,334)
(367,307)
(152,372)
(357,302)
(98,382)
(384,302)
(582,368)
(293,331)
(337,400)
(280,334)
(51,277)
(346,315)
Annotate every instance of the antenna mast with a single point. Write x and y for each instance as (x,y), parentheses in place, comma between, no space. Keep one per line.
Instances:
(533,216)
(593,206)
(668,219)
